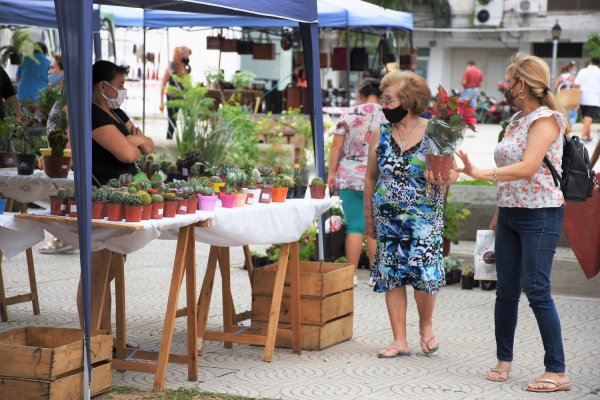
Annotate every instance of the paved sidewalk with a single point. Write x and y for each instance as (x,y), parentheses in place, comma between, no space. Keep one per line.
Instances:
(351,370)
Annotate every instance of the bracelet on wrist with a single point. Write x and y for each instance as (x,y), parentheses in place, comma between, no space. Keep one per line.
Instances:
(495,177)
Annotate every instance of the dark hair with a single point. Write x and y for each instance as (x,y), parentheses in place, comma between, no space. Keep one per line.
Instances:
(41,48)
(471,62)
(58,59)
(368,87)
(595,60)
(106,71)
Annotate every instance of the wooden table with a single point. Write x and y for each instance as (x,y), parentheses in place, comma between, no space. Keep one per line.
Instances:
(184,264)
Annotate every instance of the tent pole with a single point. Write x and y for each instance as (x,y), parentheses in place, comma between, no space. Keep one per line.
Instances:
(347,67)
(144,81)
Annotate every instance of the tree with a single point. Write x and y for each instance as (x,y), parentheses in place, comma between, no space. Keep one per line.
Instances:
(592,45)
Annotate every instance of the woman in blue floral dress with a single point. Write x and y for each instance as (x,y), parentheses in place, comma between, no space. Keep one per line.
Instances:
(404,206)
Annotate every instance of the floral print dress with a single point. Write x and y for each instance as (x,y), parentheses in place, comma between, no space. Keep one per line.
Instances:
(408,220)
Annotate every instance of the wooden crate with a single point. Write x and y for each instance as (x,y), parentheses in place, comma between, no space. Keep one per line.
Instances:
(47,361)
(326,303)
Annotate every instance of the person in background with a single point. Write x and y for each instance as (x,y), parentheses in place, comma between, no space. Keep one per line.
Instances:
(8,95)
(56,79)
(565,80)
(116,144)
(471,82)
(32,74)
(529,217)
(179,66)
(404,216)
(588,80)
(348,163)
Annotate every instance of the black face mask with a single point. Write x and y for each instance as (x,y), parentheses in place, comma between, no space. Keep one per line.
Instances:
(510,98)
(185,60)
(395,115)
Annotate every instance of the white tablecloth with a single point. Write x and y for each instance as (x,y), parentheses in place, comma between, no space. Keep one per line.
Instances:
(263,223)
(30,188)
(18,235)
(123,241)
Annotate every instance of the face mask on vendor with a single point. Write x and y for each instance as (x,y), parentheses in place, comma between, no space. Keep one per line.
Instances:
(115,102)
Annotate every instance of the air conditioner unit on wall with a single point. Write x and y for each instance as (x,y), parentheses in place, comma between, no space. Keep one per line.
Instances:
(488,12)
(528,7)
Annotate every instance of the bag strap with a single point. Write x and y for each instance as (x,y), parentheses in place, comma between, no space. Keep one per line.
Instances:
(555,176)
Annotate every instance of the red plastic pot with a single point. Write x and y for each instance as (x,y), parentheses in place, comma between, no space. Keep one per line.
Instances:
(440,165)
(170,209)
(133,213)
(157,210)
(182,206)
(192,205)
(317,191)
(71,208)
(98,210)
(58,206)
(146,212)
(114,211)
(266,195)
(279,194)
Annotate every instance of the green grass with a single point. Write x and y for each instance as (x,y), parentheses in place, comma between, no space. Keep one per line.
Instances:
(176,394)
(475,182)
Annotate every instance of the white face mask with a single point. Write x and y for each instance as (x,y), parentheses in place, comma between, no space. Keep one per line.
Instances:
(121,96)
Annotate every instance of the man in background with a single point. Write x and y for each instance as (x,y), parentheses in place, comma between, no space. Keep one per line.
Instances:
(8,95)
(32,75)
(471,82)
(588,80)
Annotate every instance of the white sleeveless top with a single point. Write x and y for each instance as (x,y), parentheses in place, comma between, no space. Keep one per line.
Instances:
(538,191)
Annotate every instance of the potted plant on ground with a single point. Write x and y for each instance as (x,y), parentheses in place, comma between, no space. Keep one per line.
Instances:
(453,213)
(452,269)
(133,208)
(467,277)
(57,161)
(317,188)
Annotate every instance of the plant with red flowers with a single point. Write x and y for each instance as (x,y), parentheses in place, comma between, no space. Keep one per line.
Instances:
(450,118)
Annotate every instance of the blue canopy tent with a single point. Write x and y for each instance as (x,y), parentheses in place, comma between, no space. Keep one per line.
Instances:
(75,30)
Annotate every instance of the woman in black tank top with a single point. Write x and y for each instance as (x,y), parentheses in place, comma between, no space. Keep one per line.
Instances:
(180,66)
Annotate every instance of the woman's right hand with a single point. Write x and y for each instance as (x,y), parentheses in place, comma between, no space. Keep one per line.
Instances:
(494,221)
(469,168)
(370,228)
(331,183)
(161,107)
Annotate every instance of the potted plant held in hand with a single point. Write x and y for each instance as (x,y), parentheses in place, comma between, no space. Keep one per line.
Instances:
(317,188)
(57,159)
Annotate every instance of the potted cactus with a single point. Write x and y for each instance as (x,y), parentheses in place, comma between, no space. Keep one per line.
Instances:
(58,203)
(227,196)
(207,200)
(267,179)
(467,277)
(170,208)
(217,183)
(317,188)
(146,204)
(281,185)
(57,160)
(187,192)
(252,192)
(157,206)
(299,186)
(71,203)
(133,208)
(99,198)
(114,206)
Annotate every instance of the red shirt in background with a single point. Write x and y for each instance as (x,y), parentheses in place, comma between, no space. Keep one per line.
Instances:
(472,77)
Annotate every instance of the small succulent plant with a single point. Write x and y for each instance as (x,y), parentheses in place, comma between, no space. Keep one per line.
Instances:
(216,179)
(164,166)
(61,193)
(125,179)
(170,196)
(145,196)
(114,183)
(116,197)
(154,168)
(132,189)
(70,192)
(283,180)
(317,181)
(157,198)
(133,200)
(206,191)
(102,194)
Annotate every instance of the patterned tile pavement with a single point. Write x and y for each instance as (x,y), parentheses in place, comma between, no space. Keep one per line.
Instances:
(463,322)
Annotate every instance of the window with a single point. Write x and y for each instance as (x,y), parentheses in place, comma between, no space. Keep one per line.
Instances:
(573,5)
(564,50)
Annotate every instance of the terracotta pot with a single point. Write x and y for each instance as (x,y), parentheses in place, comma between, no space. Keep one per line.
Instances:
(266,194)
(58,206)
(240,199)
(98,210)
(207,203)
(170,209)
(72,207)
(157,210)
(146,212)
(192,205)
(317,191)
(182,206)
(8,159)
(440,165)
(57,166)
(25,164)
(279,194)
(114,211)
(249,199)
(227,200)
(133,213)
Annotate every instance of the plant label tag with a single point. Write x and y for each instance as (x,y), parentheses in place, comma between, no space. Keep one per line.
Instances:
(184,171)
(183,208)
(265,196)
(63,207)
(160,211)
(74,208)
(249,200)
(64,166)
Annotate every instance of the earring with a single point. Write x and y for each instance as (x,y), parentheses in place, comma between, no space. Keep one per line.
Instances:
(521,93)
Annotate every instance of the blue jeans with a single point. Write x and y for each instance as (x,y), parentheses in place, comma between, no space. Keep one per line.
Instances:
(470,95)
(526,241)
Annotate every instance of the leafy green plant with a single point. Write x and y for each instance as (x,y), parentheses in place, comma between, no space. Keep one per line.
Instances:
(7,127)
(317,181)
(475,182)
(243,147)
(57,140)
(20,44)
(453,213)
(592,45)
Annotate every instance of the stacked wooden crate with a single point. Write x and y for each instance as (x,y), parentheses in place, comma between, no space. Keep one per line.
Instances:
(326,303)
(47,363)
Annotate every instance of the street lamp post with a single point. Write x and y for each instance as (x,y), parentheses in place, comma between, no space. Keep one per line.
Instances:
(556,29)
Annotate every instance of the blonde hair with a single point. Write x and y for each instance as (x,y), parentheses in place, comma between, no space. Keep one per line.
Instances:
(181,49)
(536,74)
(414,93)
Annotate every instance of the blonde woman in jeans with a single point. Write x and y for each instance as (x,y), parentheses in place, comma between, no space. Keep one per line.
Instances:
(529,217)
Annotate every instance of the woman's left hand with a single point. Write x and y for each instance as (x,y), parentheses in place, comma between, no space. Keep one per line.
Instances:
(439,180)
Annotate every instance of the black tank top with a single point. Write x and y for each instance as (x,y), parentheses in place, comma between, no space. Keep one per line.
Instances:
(105,165)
